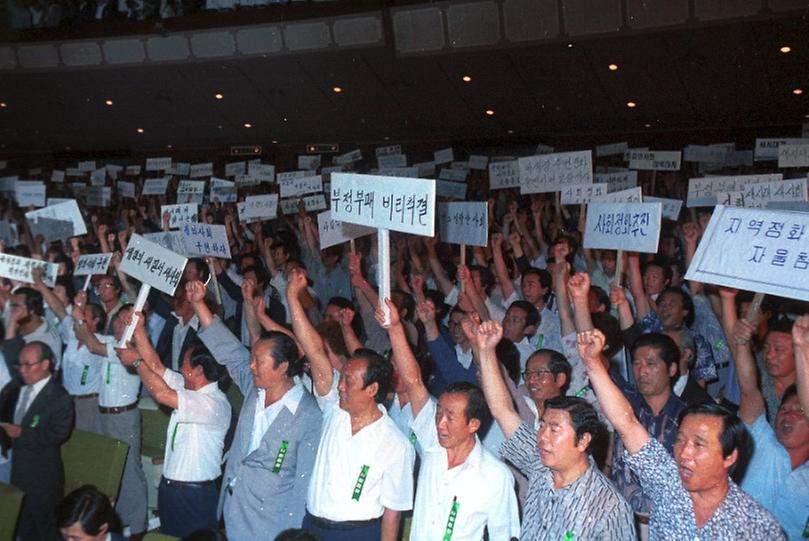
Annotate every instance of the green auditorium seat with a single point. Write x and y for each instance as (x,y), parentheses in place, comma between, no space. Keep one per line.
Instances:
(10,504)
(94,459)
(154,536)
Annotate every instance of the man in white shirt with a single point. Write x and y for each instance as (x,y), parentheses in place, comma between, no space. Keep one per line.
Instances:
(195,438)
(463,488)
(363,473)
(27,320)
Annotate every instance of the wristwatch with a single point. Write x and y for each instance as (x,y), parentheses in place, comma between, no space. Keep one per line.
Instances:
(137,363)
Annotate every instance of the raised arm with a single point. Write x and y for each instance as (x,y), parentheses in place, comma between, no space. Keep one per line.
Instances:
(444,284)
(752,403)
(642,306)
(406,365)
(691,236)
(560,273)
(800,339)
(308,337)
(500,269)
(50,297)
(579,285)
(618,299)
(613,403)
(471,292)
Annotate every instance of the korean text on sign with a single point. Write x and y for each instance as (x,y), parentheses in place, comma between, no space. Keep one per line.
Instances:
(333,232)
(464,223)
(401,204)
(19,268)
(206,240)
(623,226)
(152,264)
(180,214)
(552,172)
(92,264)
(755,249)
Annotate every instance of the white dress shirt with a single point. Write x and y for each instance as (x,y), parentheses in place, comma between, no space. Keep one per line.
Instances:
(179,333)
(81,369)
(195,436)
(264,417)
(45,333)
(482,487)
(119,386)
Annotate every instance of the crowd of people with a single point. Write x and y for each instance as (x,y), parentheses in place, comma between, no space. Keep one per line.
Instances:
(540,390)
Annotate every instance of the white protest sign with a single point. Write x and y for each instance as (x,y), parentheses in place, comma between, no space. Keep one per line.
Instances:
(51,229)
(391,160)
(581,193)
(730,199)
(348,157)
(73,172)
(30,193)
(300,186)
(170,240)
(126,189)
(152,264)
(155,186)
(260,207)
(180,214)
(630,195)
(388,150)
(767,148)
(78,189)
(455,175)
(222,191)
(612,149)
(756,250)
(8,184)
(19,268)
(702,191)
(504,175)
(333,232)
(133,170)
(544,149)
(289,175)
(261,172)
(478,162)
(203,240)
(628,153)
(309,162)
(98,177)
(671,207)
(235,168)
(244,181)
(426,169)
(618,181)
(201,170)
(99,196)
(793,155)
(623,226)
(311,203)
(92,264)
(114,170)
(705,153)
(86,167)
(180,169)
(658,160)
(759,194)
(401,204)
(455,190)
(158,164)
(190,191)
(57,176)
(443,156)
(409,172)
(464,223)
(552,172)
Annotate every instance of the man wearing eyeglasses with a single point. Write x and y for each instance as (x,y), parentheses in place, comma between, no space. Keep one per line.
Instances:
(36,416)
(546,375)
(108,290)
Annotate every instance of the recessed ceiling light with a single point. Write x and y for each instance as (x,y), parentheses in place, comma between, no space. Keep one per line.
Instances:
(248,125)
(631,104)
(785,49)
(467,79)
(511,132)
(337,89)
(797,91)
(3,105)
(387,138)
(275,141)
(613,67)
(218,96)
(647,125)
(806,115)
(108,102)
(489,112)
(139,130)
(569,45)
(169,146)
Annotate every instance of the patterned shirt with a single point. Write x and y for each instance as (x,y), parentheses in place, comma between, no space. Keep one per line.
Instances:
(738,517)
(588,508)
(662,427)
(704,365)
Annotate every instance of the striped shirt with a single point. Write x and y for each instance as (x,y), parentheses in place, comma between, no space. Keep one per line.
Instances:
(588,508)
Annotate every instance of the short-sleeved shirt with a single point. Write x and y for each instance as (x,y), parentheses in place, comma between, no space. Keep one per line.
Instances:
(196,433)
(81,369)
(481,490)
(770,479)
(119,386)
(672,517)
(357,476)
(589,508)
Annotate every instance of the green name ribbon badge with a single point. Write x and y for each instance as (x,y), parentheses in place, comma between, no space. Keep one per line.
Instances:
(413,438)
(85,371)
(806,529)
(540,341)
(569,536)
(360,482)
(35,421)
(279,459)
(108,372)
(453,515)
(174,435)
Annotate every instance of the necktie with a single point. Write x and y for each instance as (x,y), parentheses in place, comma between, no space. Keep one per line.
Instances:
(22,404)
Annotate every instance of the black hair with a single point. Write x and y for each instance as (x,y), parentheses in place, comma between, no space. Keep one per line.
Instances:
(283,349)
(33,300)
(583,418)
(116,282)
(202,268)
(789,392)
(611,329)
(200,356)
(98,313)
(531,312)
(119,314)
(441,308)
(734,436)
(377,370)
(688,304)
(545,279)
(261,276)
(509,356)
(659,262)
(783,325)
(601,297)
(665,346)
(66,281)
(486,276)
(476,407)
(88,506)
(557,364)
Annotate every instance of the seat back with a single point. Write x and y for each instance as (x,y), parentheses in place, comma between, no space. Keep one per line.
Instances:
(10,505)
(94,459)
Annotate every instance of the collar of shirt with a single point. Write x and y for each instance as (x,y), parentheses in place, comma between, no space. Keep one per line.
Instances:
(193,322)
(35,390)
(679,385)
(465,358)
(291,399)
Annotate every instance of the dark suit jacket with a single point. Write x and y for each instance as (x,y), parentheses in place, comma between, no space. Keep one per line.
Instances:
(37,464)
(694,394)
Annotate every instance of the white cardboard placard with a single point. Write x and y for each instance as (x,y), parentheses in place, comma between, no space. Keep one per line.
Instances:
(92,264)
(170,240)
(57,176)
(756,250)
(87,166)
(348,157)
(297,187)
(158,164)
(478,162)
(759,194)
(400,204)
(611,149)
(391,160)
(133,170)
(98,177)
(426,169)
(388,150)
(671,207)
(730,199)
(19,268)
(245,181)
(113,170)
(289,175)
(309,162)
(260,207)
(311,203)
(30,193)
(623,226)
(582,193)
(199,170)
(235,168)
(333,232)
(455,175)
(657,160)
(544,149)
(409,172)
(702,191)
(180,214)
(8,184)
(445,155)
(261,172)
(630,195)
(152,264)
(552,172)
(504,175)
(767,148)
(455,190)
(99,196)
(155,186)
(203,240)
(191,191)
(464,223)
(126,189)
(180,169)
(793,155)
(706,153)
(617,181)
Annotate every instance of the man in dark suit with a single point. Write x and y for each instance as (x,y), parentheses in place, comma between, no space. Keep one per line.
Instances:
(37,416)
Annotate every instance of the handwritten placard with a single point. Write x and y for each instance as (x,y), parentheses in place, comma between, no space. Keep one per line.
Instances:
(478,162)
(445,155)
(391,160)
(296,187)
(155,186)
(245,181)
(702,191)
(57,176)
(19,268)
(261,172)
(400,204)
(191,191)
(611,149)
(552,172)
(582,193)
(30,193)
(260,207)
(126,189)
(767,148)
(426,169)
(658,160)
(170,240)
(793,155)
(222,191)
(92,264)
(199,170)
(705,153)
(388,150)
(86,166)
(332,232)
(180,169)
(133,170)
(152,264)
(623,226)
(309,162)
(185,213)
(617,181)
(730,199)
(671,207)
(504,175)
(759,194)
(235,168)
(348,157)
(630,195)
(98,177)
(50,229)
(158,164)
(464,223)
(452,190)
(203,240)
(455,175)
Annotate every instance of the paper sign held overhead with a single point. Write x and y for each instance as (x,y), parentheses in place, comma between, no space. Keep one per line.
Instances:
(478,162)
(455,175)
(391,160)
(132,170)
(235,168)
(759,194)
(671,207)
(260,207)
(767,148)
(300,186)
(400,204)
(702,191)
(333,232)
(453,190)
(92,264)
(19,268)
(623,226)
(99,196)
(86,167)
(126,189)
(705,153)
(730,199)
(199,170)
(582,193)
(158,164)
(309,162)
(98,177)
(630,195)
(348,157)
(204,240)
(311,203)
(114,171)
(30,193)
(552,172)
(504,175)
(410,172)
(443,156)
(464,223)
(191,191)
(658,160)
(155,186)
(793,155)
(388,150)
(180,169)
(612,149)
(152,264)
(57,176)
(50,229)
(180,214)
(170,240)
(245,181)
(617,181)
(261,172)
